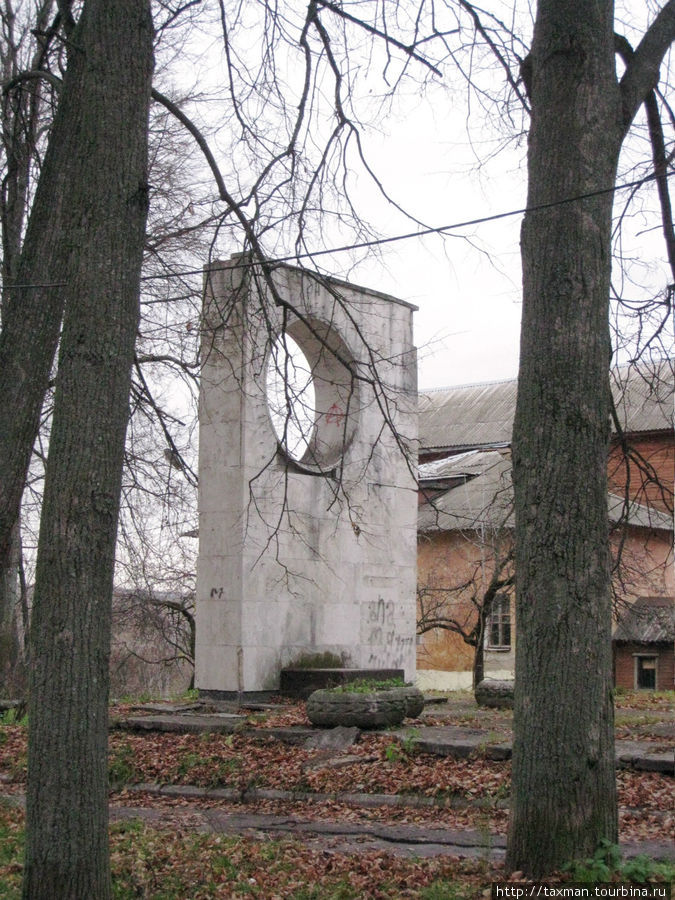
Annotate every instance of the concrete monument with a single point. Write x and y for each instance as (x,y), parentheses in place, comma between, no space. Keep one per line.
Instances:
(307,500)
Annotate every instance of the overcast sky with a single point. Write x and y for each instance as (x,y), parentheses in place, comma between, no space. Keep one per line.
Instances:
(440,159)
(467,286)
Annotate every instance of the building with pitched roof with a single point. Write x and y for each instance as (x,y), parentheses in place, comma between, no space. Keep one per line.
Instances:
(465,520)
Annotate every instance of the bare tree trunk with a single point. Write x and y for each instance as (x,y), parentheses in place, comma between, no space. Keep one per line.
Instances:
(32,301)
(12,672)
(20,126)
(101,190)
(564,798)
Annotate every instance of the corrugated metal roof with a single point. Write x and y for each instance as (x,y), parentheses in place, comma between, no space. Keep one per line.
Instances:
(485,500)
(473,462)
(639,516)
(649,620)
(475,415)
(481,415)
(644,396)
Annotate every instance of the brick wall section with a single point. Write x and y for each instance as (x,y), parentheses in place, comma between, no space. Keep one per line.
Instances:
(646,568)
(449,558)
(658,451)
(624,664)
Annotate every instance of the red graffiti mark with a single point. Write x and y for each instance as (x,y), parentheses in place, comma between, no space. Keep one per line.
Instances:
(335,415)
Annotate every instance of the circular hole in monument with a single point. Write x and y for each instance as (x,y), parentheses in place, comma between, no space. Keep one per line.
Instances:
(291,396)
(312,394)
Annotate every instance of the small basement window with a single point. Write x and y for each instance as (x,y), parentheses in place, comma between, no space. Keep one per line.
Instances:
(645,673)
(499,624)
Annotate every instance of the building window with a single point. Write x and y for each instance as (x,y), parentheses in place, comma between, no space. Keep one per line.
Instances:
(499,624)
(645,672)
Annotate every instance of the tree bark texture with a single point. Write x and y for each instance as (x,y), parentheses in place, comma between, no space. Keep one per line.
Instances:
(12,669)
(96,195)
(564,797)
(21,109)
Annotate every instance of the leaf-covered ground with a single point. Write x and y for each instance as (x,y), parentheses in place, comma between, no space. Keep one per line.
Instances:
(178,864)
(159,863)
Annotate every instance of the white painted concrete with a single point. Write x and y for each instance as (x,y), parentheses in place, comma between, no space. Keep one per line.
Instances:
(319,554)
(432,680)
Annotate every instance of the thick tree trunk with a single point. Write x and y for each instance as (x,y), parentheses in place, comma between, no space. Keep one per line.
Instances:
(103,115)
(564,799)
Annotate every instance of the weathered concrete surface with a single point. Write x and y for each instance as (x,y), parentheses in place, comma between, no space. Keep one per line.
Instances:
(300,683)
(170,708)
(222,723)
(440,740)
(355,837)
(453,740)
(347,837)
(296,557)
(495,693)
(337,738)
(645,756)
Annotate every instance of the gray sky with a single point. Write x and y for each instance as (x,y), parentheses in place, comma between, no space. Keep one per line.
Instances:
(467,286)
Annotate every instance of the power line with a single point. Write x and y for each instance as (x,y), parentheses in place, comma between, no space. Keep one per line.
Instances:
(376,242)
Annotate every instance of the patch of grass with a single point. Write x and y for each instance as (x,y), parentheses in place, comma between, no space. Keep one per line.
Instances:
(189,694)
(644,699)
(367,686)
(630,720)
(606,864)
(403,749)
(172,864)
(445,890)
(14,757)
(143,697)
(340,891)
(11,851)
(14,716)
(642,869)
(217,769)
(121,767)
(393,753)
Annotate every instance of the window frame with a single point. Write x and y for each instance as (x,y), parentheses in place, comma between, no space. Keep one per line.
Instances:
(638,658)
(500,619)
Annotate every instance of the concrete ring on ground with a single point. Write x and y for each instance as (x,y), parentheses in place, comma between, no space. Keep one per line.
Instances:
(372,709)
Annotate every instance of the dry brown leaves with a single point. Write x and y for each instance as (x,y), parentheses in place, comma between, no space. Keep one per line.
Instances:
(473,790)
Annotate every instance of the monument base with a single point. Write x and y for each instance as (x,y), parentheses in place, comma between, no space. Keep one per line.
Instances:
(300,683)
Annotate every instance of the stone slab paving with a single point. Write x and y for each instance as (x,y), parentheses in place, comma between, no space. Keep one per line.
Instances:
(339,837)
(346,837)
(646,756)
(441,740)
(223,723)
(452,740)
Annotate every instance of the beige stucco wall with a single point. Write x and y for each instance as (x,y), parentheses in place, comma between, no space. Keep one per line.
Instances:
(448,559)
(463,561)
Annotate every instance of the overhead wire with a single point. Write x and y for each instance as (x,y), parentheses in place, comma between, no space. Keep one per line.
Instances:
(424,232)
(378,242)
